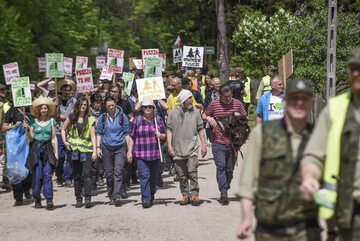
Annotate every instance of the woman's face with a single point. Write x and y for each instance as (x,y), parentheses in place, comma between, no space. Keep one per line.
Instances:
(148,109)
(115,92)
(44,110)
(83,106)
(110,106)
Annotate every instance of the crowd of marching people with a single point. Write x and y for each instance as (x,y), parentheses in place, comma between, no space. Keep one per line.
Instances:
(106,137)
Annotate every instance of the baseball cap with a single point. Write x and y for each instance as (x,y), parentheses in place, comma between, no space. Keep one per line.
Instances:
(354,57)
(302,85)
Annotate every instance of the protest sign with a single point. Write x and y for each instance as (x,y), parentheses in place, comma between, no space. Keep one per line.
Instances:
(115,59)
(153,67)
(11,71)
(100,62)
(68,66)
(148,53)
(193,56)
(84,80)
(285,66)
(138,63)
(20,88)
(163,59)
(106,73)
(177,56)
(128,79)
(150,88)
(42,64)
(81,62)
(54,65)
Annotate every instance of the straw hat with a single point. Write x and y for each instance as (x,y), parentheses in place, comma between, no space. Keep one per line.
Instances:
(63,82)
(42,101)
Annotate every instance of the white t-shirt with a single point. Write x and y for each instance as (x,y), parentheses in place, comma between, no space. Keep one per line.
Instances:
(276,108)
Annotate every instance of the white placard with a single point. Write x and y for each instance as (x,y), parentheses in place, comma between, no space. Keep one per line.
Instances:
(193,56)
(81,62)
(150,88)
(68,62)
(84,80)
(11,71)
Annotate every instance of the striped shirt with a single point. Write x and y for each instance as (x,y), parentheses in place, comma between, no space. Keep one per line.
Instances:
(145,142)
(218,109)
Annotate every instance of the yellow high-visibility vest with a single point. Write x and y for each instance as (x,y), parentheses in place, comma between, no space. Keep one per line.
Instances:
(82,143)
(247,98)
(266,81)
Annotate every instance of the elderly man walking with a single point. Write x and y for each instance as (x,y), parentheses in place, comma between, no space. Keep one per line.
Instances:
(184,125)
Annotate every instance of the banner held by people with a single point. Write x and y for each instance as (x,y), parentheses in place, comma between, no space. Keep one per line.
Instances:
(193,56)
(153,67)
(20,88)
(42,64)
(54,65)
(81,62)
(148,53)
(115,59)
(84,80)
(150,88)
(11,71)
(68,62)
(100,62)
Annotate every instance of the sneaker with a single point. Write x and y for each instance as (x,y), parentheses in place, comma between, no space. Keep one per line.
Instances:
(27,195)
(68,184)
(18,203)
(224,200)
(117,202)
(195,201)
(87,203)
(112,202)
(49,204)
(79,203)
(146,204)
(185,200)
(38,203)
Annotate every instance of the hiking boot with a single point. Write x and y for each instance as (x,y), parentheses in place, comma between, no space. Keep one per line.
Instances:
(185,200)
(49,204)
(18,203)
(27,195)
(146,204)
(195,201)
(117,202)
(38,203)
(224,200)
(79,203)
(87,203)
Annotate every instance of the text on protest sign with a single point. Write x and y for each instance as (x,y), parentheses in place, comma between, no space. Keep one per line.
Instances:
(81,62)
(42,64)
(11,71)
(149,53)
(193,56)
(115,59)
(106,73)
(68,62)
(150,88)
(100,62)
(177,56)
(128,79)
(54,65)
(138,63)
(153,67)
(84,80)
(20,88)
(163,58)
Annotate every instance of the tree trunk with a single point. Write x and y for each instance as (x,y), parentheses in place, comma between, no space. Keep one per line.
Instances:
(223,58)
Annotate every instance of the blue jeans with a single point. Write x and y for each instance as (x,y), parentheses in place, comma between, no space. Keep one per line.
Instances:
(42,178)
(148,171)
(225,163)
(64,168)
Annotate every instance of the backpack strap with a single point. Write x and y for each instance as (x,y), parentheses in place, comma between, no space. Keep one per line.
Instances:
(103,122)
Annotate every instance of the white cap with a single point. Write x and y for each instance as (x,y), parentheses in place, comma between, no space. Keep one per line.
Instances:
(147,103)
(184,95)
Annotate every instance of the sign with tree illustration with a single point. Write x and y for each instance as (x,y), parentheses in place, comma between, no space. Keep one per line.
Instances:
(193,56)
(115,59)
(20,88)
(177,56)
(128,79)
(145,53)
(150,88)
(54,65)
(153,67)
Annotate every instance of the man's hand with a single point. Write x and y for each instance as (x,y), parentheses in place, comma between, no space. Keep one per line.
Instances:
(309,186)
(245,229)
(171,151)
(203,151)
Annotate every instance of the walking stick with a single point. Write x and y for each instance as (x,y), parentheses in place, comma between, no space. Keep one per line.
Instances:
(156,129)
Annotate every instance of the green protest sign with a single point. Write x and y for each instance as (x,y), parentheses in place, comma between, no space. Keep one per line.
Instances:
(54,65)
(20,88)
(128,79)
(153,67)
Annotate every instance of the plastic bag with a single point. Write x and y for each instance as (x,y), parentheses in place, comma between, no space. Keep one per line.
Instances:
(17,151)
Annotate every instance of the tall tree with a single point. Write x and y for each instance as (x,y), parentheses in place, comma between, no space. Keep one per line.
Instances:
(223,57)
